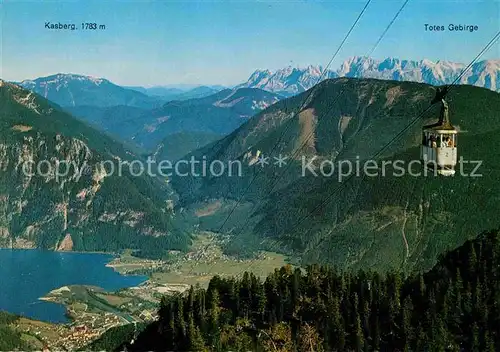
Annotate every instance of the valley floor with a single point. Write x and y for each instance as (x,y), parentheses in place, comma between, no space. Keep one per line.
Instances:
(93,311)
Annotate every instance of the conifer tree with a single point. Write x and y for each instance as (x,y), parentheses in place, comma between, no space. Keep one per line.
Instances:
(180,323)
(488,342)
(338,332)
(446,309)
(309,339)
(195,339)
(407,330)
(214,315)
(474,339)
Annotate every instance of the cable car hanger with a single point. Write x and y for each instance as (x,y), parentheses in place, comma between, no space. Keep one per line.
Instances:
(439,140)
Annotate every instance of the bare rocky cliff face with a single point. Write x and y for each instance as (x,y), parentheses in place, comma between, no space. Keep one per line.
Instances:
(291,81)
(57,190)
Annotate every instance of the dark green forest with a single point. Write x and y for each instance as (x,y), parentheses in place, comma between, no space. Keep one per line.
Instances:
(282,209)
(10,339)
(116,212)
(453,307)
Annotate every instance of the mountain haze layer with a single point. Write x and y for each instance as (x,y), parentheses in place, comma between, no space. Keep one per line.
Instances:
(220,114)
(170,93)
(215,115)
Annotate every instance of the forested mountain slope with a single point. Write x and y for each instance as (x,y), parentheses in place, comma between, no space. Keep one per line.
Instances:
(382,221)
(86,207)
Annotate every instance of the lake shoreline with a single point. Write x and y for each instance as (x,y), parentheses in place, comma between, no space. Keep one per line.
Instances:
(41,272)
(114,254)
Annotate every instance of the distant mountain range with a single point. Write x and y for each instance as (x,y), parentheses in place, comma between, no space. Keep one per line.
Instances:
(290,81)
(287,81)
(70,90)
(179,93)
(164,92)
(77,90)
(216,115)
(146,116)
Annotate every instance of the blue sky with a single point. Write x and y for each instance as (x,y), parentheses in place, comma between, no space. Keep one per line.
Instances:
(223,42)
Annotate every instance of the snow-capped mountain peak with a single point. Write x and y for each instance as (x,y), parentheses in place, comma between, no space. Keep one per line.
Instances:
(292,80)
(288,80)
(62,79)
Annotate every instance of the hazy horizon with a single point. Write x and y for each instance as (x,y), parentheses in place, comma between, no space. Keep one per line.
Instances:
(222,43)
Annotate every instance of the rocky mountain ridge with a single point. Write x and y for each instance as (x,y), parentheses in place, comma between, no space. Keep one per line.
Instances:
(58,189)
(290,81)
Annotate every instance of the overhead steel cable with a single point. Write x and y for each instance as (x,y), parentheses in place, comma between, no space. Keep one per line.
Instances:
(330,196)
(301,107)
(486,48)
(304,103)
(380,151)
(388,27)
(309,136)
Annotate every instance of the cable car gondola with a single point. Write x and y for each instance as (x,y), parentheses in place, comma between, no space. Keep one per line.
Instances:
(439,141)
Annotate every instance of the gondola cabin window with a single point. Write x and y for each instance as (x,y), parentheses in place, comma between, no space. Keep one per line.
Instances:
(439,150)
